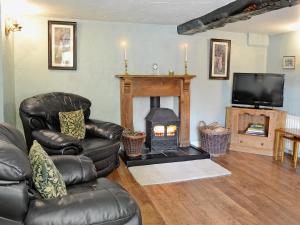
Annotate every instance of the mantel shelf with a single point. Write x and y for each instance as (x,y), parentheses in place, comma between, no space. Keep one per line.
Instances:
(129,76)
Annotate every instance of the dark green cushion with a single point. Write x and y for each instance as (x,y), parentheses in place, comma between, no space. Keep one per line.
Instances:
(47,179)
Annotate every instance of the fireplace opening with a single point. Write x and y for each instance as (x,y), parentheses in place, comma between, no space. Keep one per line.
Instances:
(162,127)
(159,131)
(171,130)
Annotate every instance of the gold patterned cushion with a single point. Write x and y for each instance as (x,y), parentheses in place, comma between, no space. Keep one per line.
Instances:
(47,179)
(72,123)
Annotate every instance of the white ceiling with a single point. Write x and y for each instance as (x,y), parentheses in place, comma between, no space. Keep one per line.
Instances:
(135,11)
(171,12)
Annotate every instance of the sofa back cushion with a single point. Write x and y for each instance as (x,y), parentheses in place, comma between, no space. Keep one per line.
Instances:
(14,164)
(45,107)
(47,179)
(15,171)
(10,134)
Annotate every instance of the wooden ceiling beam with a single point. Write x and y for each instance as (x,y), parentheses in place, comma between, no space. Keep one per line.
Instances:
(233,12)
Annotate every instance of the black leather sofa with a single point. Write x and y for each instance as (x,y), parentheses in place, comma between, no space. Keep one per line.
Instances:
(39,115)
(90,201)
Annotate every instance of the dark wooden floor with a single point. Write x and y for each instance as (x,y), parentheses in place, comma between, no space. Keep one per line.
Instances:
(259,191)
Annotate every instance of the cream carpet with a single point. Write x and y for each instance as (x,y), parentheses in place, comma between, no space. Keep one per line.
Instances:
(177,172)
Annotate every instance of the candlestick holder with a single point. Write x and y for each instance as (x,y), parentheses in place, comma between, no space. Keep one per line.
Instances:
(126,66)
(185,67)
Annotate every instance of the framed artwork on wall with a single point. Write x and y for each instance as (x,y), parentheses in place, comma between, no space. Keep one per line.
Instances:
(219,66)
(288,62)
(62,46)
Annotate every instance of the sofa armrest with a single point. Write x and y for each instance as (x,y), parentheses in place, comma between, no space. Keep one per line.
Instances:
(75,169)
(56,143)
(97,128)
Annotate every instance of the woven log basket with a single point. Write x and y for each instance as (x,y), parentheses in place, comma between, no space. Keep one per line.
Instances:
(214,138)
(133,143)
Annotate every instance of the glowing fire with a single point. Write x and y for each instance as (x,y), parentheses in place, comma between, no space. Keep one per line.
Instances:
(171,130)
(159,131)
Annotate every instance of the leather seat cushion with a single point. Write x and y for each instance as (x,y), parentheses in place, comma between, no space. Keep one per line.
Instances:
(95,203)
(99,148)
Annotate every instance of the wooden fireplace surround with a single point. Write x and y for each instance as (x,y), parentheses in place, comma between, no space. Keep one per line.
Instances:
(157,85)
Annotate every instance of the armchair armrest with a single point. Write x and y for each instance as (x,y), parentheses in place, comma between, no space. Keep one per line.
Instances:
(97,128)
(56,143)
(75,169)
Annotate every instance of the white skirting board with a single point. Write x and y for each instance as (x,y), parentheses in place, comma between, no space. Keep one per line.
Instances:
(196,144)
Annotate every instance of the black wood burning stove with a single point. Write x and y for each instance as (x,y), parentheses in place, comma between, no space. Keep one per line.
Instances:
(162,137)
(162,127)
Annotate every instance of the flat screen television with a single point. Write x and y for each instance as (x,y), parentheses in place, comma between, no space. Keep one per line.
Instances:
(258,89)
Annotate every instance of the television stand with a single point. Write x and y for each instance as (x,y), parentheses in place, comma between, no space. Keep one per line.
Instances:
(238,120)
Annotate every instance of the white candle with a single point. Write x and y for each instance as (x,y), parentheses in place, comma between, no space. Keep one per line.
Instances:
(186,52)
(124,45)
(125,53)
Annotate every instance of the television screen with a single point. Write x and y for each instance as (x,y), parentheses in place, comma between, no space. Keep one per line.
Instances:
(258,89)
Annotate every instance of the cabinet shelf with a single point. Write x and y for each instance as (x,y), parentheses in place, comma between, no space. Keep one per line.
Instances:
(253,135)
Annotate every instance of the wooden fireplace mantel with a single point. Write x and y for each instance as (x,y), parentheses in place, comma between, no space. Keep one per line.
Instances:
(157,85)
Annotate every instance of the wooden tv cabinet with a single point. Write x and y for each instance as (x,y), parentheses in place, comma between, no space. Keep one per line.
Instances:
(238,119)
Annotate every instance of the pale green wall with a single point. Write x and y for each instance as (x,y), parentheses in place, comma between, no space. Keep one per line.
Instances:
(9,80)
(7,83)
(100,58)
(286,44)
(1,65)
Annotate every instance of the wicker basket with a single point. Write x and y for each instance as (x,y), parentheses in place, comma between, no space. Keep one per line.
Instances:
(133,144)
(214,138)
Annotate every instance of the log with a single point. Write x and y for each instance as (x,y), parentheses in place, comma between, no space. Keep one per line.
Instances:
(233,12)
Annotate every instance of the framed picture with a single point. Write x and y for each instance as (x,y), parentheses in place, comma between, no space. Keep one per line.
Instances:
(288,62)
(62,53)
(219,66)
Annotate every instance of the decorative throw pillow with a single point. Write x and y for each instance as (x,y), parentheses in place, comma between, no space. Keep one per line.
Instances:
(72,123)
(47,179)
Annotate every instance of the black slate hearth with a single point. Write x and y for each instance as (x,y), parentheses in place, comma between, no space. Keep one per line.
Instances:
(165,156)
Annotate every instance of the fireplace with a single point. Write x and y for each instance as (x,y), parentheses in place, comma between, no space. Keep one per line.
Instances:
(162,127)
(167,136)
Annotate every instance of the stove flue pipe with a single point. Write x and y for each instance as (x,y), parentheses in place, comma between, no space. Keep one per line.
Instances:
(154,102)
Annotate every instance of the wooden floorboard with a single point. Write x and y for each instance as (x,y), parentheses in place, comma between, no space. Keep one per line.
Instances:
(259,191)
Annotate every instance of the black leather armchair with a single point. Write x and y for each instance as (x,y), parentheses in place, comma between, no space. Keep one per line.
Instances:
(90,201)
(39,115)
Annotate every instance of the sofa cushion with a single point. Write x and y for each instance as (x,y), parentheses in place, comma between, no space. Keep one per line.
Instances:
(101,202)
(10,134)
(72,123)
(47,179)
(14,164)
